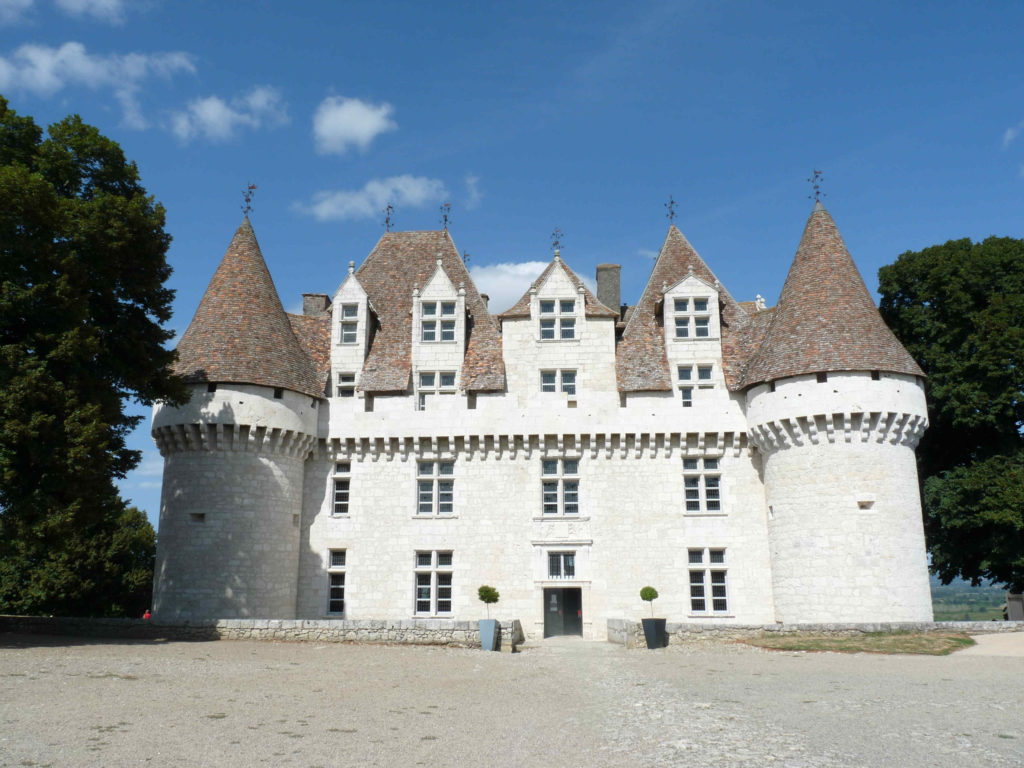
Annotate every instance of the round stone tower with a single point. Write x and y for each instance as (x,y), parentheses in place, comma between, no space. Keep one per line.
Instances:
(835,406)
(230,509)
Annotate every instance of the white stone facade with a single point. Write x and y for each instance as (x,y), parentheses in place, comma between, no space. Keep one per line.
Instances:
(803,496)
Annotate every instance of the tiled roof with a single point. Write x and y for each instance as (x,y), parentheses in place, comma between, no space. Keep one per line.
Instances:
(591,306)
(314,335)
(240,332)
(400,261)
(641,364)
(825,319)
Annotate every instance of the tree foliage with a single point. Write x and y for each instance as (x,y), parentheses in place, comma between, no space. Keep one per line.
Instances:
(959,310)
(82,302)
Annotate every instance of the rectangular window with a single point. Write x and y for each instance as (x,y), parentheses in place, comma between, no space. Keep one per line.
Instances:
(429,330)
(435,483)
(342,481)
(708,589)
(560,314)
(336,581)
(433,583)
(431,384)
(558,381)
(447,330)
(346,385)
(448,309)
(692,319)
(702,483)
(349,324)
(704,380)
(560,486)
(561,565)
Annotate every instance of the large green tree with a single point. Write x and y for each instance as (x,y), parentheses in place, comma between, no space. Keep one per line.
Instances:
(82,303)
(959,309)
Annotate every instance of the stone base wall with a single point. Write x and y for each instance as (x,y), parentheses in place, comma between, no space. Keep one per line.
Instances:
(464,634)
(631,633)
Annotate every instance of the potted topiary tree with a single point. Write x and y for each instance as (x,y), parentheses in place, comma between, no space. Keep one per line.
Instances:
(654,629)
(489,634)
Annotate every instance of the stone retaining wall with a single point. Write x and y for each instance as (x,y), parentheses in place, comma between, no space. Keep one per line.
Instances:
(410,632)
(631,633)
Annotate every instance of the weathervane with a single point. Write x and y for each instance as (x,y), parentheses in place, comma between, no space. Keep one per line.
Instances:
(388,212)
(556,239)
(815,181)
(247,196)
(671,206)
(446,211)
(465,257)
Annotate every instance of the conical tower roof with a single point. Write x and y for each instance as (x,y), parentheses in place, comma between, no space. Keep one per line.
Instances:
(641,363)
(826,319)
(240,332)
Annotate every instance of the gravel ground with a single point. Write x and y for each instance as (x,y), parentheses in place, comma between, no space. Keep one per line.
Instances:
(566,702)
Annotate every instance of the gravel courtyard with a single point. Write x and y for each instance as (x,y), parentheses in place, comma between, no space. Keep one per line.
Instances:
(69,702)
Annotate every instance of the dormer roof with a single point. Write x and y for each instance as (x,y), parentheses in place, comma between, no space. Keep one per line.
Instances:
(240,332)
(641,362)
(826,319)
(591,306)
(399,262)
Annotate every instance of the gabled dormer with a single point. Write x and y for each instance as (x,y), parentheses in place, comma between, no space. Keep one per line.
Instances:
(438,330)
(558,306)
(351,333)
(690,311)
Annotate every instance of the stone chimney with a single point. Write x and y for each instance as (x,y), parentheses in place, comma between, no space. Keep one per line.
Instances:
(315,303)
(608,285)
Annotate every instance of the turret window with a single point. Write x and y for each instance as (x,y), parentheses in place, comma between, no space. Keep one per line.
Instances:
(557,319)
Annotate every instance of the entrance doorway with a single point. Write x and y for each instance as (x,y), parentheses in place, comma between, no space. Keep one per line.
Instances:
(563,611)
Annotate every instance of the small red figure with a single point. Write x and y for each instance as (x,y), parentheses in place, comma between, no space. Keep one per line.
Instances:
(147,614)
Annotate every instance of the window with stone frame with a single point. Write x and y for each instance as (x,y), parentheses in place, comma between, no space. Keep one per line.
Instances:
(560,486)
(691,377)
(561,565)
(336,582)
(558,380)
(437,321)
(345,385)
(349,324)
(435,488)
(692,318)
(433,583)
(702,481)
(342,483)
(432,384)
(557,319)
(708,584)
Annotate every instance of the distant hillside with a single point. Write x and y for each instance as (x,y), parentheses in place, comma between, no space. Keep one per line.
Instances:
(959,601)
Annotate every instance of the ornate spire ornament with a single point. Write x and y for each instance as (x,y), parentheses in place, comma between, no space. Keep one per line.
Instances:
(389,212)
(670,206)
(556,240)
(247,197)
(446,214)
(815,181)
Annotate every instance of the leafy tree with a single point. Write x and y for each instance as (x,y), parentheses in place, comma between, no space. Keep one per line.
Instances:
(959,309)
(82,300)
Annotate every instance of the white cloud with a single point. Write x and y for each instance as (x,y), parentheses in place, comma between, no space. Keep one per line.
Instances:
(1012,133)
(218,120)
(341,123)
(647,253)
(44,71)
(506,282)
(12,10)
(473,193)
(104,10)
(405,190)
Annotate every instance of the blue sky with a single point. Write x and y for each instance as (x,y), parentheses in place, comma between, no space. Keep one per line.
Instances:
(531,116)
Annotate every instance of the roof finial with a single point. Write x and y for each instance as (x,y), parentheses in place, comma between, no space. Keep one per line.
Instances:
(446,212)
(556,240)
(389,212)
(671,206)
(815,181)
(247,196)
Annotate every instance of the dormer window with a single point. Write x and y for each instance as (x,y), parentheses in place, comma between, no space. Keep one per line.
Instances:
(557,319)
(349,323)
(692,318)
(438,321)
(432,384)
